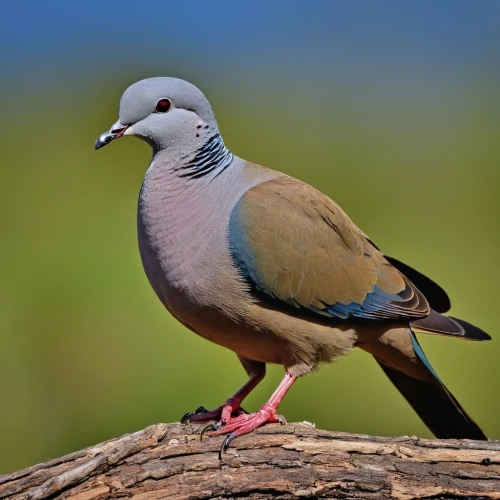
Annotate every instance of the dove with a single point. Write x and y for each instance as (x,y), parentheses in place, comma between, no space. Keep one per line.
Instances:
(269,267)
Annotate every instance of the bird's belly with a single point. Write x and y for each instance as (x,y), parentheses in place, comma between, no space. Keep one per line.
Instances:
(217,327)
(239,337)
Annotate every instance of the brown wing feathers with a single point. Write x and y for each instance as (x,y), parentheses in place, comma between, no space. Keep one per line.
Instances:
(313,256)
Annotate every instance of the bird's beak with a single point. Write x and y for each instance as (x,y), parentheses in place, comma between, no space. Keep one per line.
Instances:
(117,130)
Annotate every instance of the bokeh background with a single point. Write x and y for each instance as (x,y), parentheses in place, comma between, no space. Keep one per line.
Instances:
(391,108)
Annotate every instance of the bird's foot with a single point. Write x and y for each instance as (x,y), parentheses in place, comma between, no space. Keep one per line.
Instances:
(231,408)
(243,424)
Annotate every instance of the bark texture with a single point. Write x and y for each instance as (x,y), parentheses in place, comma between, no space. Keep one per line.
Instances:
(290,461)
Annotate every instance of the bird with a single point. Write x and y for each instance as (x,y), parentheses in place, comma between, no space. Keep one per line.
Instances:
(271,268)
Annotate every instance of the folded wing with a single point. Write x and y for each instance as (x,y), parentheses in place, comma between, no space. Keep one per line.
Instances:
(296,245)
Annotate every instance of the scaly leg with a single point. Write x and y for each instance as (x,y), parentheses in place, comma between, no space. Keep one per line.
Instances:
(232,407)
(245,423)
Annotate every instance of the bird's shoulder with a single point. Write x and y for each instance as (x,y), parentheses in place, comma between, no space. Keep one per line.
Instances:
(309,207)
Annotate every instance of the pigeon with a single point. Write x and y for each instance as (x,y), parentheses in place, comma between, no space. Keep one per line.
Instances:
(271,268)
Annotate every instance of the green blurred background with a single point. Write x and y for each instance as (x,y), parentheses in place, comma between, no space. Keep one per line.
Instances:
(391,108)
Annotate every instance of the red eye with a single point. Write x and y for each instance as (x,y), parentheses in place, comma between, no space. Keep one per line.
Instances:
(163,105)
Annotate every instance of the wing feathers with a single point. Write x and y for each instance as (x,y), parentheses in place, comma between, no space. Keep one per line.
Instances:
(296,245)
(437,297)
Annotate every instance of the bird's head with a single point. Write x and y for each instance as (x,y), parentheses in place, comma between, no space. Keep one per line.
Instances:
(168,113)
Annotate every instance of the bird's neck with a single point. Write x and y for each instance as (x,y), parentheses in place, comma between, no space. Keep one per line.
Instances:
(212,157)
(205,160)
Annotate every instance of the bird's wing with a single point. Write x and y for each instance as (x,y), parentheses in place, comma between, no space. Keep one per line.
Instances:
(436,296)
(296,245)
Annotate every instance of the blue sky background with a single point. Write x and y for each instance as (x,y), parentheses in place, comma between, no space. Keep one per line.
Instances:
(415,36)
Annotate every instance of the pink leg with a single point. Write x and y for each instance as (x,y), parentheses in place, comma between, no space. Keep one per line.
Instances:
(245,423)
(231,407)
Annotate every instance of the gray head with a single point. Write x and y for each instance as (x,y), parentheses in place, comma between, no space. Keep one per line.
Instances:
(168,113)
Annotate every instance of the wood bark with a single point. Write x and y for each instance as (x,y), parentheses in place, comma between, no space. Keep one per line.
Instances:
(274,462)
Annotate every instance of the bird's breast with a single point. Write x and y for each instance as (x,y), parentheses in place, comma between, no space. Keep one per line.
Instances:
(183,240)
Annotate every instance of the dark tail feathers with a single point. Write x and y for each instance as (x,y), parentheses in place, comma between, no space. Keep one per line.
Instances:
(446,325)
(434,403)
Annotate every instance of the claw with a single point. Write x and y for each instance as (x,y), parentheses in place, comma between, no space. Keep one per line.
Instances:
(281,419)
(221,414)
(225,444)
(210,426)
(187,417)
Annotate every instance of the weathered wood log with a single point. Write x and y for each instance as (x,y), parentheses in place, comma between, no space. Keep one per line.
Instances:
(290,461)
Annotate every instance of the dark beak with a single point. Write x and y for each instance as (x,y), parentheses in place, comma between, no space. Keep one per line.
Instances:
(117,130)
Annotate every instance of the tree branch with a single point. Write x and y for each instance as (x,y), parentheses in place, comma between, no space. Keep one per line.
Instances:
(295,460)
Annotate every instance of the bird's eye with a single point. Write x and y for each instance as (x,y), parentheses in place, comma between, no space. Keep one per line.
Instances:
(163,105)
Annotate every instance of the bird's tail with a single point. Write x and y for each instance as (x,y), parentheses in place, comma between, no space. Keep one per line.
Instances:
(432,401)
(440,324)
